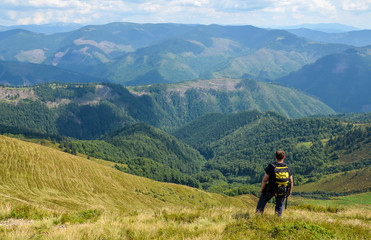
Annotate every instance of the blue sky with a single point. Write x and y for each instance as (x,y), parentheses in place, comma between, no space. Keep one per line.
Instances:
(264,13)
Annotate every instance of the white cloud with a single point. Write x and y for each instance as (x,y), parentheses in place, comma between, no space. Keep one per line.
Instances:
(356,5)
(255,12)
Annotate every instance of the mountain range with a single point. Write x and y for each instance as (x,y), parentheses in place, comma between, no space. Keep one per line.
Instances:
(171,52)
(139,54)
(87,111)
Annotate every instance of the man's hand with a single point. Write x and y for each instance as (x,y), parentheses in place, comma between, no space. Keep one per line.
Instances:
(264,182)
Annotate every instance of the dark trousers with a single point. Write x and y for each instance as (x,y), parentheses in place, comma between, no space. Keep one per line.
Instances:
(265,197)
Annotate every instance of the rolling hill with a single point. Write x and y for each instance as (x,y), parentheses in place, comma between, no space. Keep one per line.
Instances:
(216,51)
(186,101)
(85,46)
(339,80)
(145,151)
(340,183)
(239,146)
(87,111)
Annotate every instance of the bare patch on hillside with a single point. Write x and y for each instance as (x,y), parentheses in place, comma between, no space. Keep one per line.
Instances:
(105,46)
(102,92)
(220,46)
(58,56)
(58,102)
(32,56)
(221,84)
(16,94)
(106,92)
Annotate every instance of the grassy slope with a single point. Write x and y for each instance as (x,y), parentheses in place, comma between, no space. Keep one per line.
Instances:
(47,179)
(356,180)
(360,200)
(43,176)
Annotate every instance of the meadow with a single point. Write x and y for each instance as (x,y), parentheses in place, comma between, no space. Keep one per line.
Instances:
(299,222)
(49,194)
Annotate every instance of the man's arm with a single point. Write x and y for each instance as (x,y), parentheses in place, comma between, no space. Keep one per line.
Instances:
(292,184)
(264,182)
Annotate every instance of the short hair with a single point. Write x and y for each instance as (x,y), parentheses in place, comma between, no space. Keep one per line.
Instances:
(280,155)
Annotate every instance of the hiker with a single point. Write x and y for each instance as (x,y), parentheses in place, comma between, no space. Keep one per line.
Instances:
(280,183)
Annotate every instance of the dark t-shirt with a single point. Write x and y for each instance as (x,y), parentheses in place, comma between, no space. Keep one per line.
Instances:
(270,171)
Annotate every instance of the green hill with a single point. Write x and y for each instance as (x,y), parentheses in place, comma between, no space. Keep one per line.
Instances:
(340,183)
(87,111)
(50,179)
(186,101)
(145,151)
(239,146)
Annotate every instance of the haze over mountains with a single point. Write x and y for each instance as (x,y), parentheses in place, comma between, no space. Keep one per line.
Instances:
(139,54)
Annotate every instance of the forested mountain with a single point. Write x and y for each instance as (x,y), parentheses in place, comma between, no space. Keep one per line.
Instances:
(239,146)
(86,111)
(166,52)
(145,151)
(342,80)
(75,110)
(186,101)
(83,47)
(216,51)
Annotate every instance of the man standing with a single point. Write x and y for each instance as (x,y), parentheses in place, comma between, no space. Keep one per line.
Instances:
(280,184)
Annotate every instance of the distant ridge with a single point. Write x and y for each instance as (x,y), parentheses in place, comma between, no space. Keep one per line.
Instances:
(45,28)
(324,27)
(357,38)
(28,74)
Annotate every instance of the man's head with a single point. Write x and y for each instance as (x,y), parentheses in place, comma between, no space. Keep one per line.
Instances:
(280,155)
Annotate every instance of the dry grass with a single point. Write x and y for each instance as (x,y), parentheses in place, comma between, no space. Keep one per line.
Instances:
(196,223)
(47,194)
(38,175)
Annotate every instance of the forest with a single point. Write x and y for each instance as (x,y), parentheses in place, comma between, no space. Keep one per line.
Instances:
(224,152)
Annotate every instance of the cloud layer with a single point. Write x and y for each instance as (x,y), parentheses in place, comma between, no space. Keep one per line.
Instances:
(254,12)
